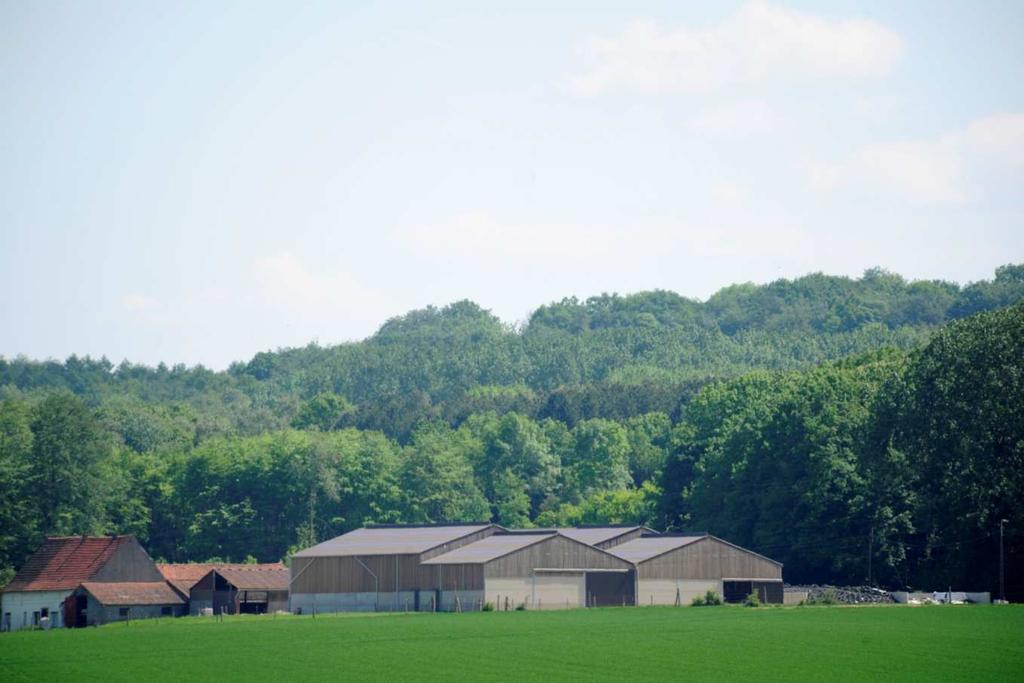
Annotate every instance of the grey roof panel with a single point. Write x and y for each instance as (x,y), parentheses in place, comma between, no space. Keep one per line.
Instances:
(490,548)
(642,549)
(410,540)
(597,534)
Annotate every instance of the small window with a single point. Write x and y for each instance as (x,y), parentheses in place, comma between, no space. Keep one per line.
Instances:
(35,618)
(44,612)
(123,611)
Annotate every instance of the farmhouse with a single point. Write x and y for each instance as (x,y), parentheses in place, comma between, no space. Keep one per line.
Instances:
(376,568)
(673,569)
(46,592)
(538,570)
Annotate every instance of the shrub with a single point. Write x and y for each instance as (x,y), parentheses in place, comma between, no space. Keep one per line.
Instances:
(488,607)
(521,607)
(828,597)
(711,598)
(752,601)
(697,601)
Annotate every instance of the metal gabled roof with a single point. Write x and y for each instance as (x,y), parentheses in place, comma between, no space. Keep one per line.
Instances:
(642,549)
(391,540)
(490,548)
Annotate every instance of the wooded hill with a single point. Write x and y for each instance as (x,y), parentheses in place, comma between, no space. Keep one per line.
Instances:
(842,426)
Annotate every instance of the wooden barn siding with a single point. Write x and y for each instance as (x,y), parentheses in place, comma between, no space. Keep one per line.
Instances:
(612,542)
(556,552)
(454,577)
(129,563)
(709,559)
(346,575)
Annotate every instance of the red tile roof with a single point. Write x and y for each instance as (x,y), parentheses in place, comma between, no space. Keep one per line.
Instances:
(257,577)
(133,593)
(63,562)
(184,576)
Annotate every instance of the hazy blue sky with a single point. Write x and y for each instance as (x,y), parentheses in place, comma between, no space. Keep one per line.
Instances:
(198,182)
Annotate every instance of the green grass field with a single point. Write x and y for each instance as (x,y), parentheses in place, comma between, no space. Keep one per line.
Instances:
(785,644)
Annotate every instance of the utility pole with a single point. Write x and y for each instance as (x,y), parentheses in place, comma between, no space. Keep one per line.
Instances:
(1002,570)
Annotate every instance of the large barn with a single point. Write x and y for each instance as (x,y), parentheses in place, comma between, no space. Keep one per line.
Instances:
(463,567)
(673,569)
(376,568)
(538,570)
(82,580)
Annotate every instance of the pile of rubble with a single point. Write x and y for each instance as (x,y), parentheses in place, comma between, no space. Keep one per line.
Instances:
(844,595)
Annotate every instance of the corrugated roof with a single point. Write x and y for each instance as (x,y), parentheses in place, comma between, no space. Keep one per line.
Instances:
(133,593)
(597,534)
(63,562)
(184,576)
(642,549)
(257,577)
(410,540)
(490,548)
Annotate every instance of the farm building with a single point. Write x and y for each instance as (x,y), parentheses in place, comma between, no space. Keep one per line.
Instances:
(254,593)
(101,603)
(673,569)
(540,570)
(46,590)
(375,568)
(241,589)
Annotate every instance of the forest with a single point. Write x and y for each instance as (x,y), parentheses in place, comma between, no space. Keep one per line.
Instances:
(856,429)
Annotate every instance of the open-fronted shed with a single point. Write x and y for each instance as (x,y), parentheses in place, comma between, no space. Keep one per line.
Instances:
(242,589)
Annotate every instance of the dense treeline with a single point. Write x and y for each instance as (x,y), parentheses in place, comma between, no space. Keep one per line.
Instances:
(830,423)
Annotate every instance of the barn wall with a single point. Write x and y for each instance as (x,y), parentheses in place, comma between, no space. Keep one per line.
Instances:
(22,604)
(129,563)
(711,559)
(543,590)
(663,591)
(347,575)
(556,552)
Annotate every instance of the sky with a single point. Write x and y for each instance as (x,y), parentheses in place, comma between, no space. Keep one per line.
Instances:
(197,182)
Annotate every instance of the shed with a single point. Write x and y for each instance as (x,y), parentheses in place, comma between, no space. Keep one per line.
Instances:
(539,570)
(675,568)
(242,589)
(43,592)
(117,601)
(376,568)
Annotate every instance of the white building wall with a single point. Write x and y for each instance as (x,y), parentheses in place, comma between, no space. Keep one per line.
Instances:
(22,605)
(399,601)
(554,590)
(664,591)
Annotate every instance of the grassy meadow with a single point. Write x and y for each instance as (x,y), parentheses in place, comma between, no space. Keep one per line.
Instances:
(979,643)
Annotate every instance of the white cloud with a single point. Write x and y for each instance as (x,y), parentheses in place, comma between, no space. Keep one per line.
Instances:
(949,169)
(288,282)
(737,119)
(138,302)
(758,42)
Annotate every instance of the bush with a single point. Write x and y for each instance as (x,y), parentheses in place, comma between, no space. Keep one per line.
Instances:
(697,601)
(752,601)
(711,598)
(521,607)
(488,607)
(828,597)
